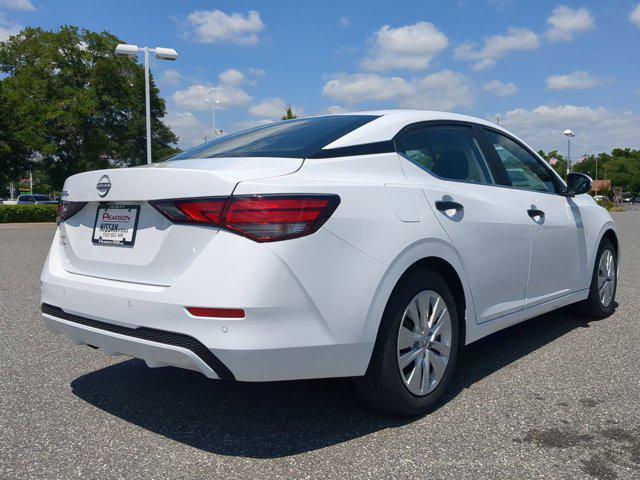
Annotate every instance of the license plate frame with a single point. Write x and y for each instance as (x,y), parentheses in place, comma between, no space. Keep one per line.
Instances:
(116,240)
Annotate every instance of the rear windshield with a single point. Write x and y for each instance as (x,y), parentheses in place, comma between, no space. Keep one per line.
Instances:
(299,138)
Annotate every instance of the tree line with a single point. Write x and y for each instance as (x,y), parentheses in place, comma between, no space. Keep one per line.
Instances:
(68,104)
(621,166)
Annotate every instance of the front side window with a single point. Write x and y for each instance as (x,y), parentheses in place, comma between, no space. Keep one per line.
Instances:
(523,169)
(299,138)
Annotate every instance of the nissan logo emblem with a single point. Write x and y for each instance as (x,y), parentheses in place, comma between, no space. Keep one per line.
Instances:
(103,186)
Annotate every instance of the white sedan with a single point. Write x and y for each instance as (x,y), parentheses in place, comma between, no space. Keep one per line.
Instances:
(373,245)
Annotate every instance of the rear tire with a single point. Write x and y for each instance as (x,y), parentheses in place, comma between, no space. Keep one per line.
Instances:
(393,386)
(604,283)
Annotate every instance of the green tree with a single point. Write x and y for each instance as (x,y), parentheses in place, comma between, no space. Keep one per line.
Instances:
(560,166)
(289,115)
(68,105)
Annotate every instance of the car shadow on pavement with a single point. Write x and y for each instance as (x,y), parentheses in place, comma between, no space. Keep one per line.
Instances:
(269,420)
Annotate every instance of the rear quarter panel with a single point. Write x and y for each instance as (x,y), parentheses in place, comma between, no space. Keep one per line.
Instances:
(367,222)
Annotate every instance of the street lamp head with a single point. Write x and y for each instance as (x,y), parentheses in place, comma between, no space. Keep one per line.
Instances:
(568,133)
(166,53)
(125,50)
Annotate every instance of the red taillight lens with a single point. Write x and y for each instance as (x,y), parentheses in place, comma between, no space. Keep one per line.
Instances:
(192,210)
(266,218)
(68,209)
(263,218)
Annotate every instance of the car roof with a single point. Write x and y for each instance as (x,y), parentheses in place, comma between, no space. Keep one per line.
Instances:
(390,122)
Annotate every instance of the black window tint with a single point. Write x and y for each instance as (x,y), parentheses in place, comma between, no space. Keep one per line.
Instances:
(298,138)
(523,169)
(413,146)
(457,153)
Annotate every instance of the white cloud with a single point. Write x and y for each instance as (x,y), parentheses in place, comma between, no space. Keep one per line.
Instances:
(335,109)
(579,80)
(257,72)
(269,108)
(634,17)
(193,97)
(217,27)
(361,87)
(24,5)
(231,76)
(500,89)
(345,21)
(444,90)
(597,129)
(186,126)
(246,124)
(8,28)
(411,47)
(497,46)
(272,108)
(171,77)
(564,22)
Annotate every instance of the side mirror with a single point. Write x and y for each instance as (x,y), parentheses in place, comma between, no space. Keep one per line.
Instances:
(578,183)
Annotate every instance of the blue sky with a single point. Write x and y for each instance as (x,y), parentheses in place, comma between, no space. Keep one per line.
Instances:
(540,66)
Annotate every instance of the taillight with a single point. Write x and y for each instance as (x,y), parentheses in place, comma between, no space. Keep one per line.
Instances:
(68,209)
(263,218)
(192,210)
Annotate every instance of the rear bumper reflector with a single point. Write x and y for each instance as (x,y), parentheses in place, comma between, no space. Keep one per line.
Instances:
(151,334)
(216,312)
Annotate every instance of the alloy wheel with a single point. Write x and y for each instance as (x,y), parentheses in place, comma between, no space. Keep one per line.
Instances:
(424,342)
(606,278)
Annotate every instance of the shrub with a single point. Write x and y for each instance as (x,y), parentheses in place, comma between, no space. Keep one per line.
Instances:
(27,213)
(609,205)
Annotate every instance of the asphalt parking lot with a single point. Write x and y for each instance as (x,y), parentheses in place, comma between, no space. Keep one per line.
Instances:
(555,397)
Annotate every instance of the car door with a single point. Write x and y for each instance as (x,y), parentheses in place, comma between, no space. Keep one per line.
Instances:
(558,243)
(482,220)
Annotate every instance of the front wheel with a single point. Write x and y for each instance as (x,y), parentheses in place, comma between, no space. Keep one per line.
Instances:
(602,292)
(416,348)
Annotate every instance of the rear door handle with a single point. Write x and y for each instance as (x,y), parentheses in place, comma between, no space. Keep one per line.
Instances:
(444,205)
(534,212)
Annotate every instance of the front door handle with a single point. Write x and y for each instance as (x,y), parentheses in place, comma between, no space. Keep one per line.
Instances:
(534,212)
(444,205)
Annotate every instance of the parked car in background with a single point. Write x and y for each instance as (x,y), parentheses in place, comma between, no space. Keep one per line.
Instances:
(372,245)
(34,199)
(599,198)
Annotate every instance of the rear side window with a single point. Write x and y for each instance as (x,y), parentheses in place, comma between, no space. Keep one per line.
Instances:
(523,169)
(413,146)
(448,151)
(299,138)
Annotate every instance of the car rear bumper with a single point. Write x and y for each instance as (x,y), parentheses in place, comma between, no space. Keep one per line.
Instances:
(288,332)
(159,348)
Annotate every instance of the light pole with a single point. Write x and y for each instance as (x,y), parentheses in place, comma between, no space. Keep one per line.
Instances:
(214,107)
(131,51)
(568,133)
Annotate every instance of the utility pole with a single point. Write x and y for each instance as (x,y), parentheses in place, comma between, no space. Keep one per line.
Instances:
(30,183)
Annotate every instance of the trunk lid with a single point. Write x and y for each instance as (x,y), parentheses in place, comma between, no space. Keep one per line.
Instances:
(162,251)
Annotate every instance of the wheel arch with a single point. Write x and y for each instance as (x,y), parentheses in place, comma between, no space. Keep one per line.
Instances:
(450,275)
(609,232)
(431,254)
